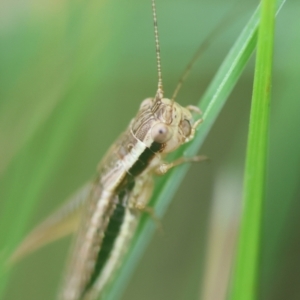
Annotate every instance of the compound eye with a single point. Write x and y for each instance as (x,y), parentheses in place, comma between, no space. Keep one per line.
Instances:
(160,133)
(186,128)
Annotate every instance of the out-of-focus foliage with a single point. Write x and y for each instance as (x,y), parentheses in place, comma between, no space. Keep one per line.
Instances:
(72,76)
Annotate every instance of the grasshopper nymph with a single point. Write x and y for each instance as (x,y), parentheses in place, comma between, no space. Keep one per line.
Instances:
(121,191)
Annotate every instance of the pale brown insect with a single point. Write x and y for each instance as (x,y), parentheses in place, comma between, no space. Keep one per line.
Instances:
(106,212)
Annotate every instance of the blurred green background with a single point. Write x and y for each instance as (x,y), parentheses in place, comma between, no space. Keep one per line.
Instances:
(73,74)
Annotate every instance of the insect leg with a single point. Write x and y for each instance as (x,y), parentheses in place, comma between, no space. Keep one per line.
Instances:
(141,193)
(61,223)
(193,130)
(165,167)
(195,109)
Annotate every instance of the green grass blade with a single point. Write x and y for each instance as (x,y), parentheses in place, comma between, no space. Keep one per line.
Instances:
(211,105)
(245,282)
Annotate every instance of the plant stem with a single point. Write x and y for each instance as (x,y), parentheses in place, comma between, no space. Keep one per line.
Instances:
(246,277)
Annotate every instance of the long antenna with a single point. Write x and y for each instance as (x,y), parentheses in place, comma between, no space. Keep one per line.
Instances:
(160,91)
(203,46)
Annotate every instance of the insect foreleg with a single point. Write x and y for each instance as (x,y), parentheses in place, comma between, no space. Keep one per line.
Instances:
(164,167)
(141,197)
(141,193)
(193,130)
(195,109)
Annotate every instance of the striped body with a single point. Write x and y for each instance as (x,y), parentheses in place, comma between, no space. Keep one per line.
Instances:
(112,204)
(122,187)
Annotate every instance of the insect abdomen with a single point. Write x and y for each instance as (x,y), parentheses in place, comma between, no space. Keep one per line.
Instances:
(110,236)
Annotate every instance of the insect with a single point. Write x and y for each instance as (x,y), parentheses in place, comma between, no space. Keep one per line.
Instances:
(112,204)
